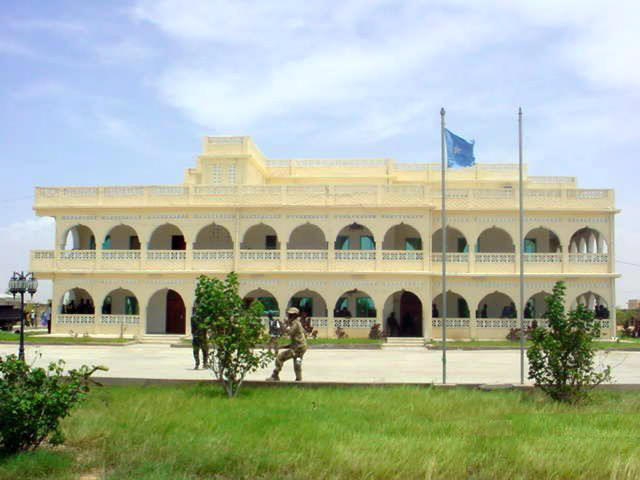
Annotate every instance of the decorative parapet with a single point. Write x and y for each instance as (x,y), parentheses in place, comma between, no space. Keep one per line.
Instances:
(406,195)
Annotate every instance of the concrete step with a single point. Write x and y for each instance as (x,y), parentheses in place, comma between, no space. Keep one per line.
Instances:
(161,338)
(403,343)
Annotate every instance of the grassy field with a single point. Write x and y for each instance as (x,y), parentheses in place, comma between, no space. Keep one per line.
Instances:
(38,338)
(601,344)
(374,433)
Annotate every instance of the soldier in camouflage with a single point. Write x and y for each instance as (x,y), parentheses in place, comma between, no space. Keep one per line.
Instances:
(295,350)
(199,341)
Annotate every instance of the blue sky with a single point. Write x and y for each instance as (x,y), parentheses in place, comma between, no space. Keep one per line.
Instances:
(96,93)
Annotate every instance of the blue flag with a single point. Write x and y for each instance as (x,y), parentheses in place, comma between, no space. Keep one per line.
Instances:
(459,151)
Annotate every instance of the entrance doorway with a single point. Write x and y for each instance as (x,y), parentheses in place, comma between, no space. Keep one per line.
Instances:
(175,313)
(403,315)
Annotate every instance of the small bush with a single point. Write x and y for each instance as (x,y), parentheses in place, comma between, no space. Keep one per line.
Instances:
(376,332)
(340,333)
(34,400)
(561,357)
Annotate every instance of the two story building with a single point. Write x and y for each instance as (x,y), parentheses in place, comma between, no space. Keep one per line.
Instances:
(349,241)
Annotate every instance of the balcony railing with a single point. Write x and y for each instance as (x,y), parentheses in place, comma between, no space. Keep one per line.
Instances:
(319,195)
(49,261)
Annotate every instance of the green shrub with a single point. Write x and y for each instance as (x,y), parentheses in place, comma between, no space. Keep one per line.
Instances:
(34,400)
(561,357)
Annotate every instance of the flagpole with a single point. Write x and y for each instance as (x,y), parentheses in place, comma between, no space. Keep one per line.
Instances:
(521,238)
(444,251)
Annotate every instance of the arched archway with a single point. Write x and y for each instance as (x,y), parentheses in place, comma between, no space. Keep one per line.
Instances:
(457,306)
(354,303)
(495,240)
(79,237)
(260,237)
(402,237)
(76,301)
(588,240)
(309,302)
(121,237)
(536,306)
(594,302)
(269,302)
(307,237)
(166,312)
(355,237)
(167,237)
(456,241)
(542,240)
(496,305)
(213,237)
(120,302)
(403,315)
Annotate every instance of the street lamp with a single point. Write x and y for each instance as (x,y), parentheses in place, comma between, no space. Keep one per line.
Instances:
(22,283)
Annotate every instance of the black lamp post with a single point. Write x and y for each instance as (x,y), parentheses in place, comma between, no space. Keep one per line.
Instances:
(22,283)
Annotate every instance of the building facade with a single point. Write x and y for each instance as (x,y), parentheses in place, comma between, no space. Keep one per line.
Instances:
(349,241)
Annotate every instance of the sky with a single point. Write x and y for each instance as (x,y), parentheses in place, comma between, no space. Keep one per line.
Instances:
(122,92)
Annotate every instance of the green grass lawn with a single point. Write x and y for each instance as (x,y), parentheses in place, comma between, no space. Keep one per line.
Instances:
(323,341)
(355,433)
(38,338)
(632,343)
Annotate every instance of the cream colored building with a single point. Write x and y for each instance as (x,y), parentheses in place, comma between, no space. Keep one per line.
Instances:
(349,240)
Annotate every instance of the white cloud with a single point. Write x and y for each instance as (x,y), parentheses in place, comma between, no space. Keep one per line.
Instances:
(124,51)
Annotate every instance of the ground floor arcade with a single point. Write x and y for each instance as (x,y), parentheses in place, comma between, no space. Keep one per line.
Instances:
(403,305)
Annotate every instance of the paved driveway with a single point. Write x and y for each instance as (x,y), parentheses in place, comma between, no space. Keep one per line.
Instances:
(359,366)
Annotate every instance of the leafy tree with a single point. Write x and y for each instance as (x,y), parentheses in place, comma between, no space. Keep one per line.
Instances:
(34,400)
(561,358)
(234,330)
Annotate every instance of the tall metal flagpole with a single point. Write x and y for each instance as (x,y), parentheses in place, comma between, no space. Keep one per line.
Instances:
(521,238)
(443,224)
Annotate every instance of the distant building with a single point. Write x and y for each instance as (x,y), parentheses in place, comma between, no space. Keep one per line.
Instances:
(348,241)
(633,304)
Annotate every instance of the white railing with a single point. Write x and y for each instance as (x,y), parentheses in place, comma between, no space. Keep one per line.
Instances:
(120,319)
(166,255)
(542,257)
(588,258)
(354,322)
(584,194)
(112,255)
(355,255)
(495,257)
(311,255)
(547,180)
(453,257)
(319,322)
(75,319)
(213,254)
(402,255)
(43,254)
(259,254)
(497,323)
(77,254)
(451,322)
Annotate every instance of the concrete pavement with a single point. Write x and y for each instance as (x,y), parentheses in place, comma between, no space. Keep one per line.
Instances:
(151,361)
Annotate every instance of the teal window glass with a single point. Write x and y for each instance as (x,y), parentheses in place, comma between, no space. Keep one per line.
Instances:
(131,306)
(270,305)
(366,242)
(364,307)
(530,245)
(462,245)
(413,244)
(342,242)
(106,245)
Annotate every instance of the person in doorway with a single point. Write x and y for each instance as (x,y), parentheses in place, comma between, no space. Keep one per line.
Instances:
(294,350)
(484,312)
(199,341)
(407,323)
(392,325)
(274,333)
(434,311)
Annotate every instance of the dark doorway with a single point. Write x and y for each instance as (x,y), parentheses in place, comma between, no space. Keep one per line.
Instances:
(175,313)
(178,243)
(410,315)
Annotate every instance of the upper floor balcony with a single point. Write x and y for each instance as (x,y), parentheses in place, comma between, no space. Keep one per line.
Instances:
(536,196)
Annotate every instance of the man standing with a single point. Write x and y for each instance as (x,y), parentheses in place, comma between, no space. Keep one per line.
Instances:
(274,332)
(199,341)
(295,350)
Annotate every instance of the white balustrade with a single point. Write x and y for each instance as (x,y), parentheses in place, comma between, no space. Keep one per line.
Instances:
(309,255)
(542,257)
(588,258)
(453,257)
(200,255)
(355,255)
(354,322)
(319,322)
(120,319)
(497,323)
(120,255)
(495,257)
(76,319)
(166,255)
(451,322)
(42,254)
(402,255)
(259,254)
(77,254)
